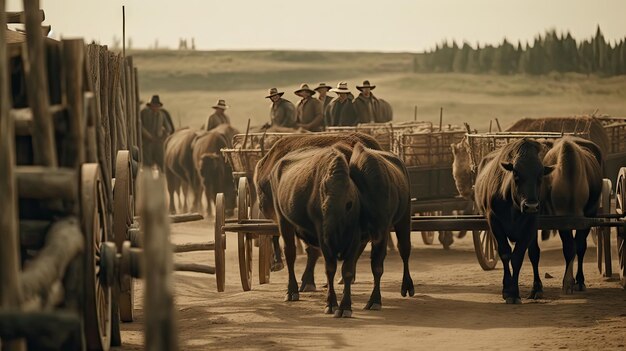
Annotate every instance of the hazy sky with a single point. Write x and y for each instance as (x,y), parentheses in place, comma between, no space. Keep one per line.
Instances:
(381,25)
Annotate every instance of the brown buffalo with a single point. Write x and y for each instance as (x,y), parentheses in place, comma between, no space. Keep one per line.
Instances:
(264,192)
(211,167)
(383,183)
(462,169)
(316,200)
(507,192)
(573,189)
(179,168)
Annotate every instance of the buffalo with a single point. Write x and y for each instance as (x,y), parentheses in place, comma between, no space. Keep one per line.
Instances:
(180,170)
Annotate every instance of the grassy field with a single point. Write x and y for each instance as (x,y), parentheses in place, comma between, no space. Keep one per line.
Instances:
(190,82)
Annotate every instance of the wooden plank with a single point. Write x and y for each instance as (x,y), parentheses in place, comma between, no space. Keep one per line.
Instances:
(37,88)
(186,217)
(20,17)
(137,112)
(23,119)
(73,61)
(160,332)
(190,247)
(37,182)
(10,285)
(194,267)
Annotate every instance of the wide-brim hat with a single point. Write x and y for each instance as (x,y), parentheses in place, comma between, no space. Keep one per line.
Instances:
(155,101)
(366,84)
(274,92)
(304,87)
(342,88)
(323,86)
(221,104)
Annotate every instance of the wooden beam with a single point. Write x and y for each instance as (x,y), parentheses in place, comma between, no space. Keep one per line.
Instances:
(186,217)
(19,17)
(160,332)
(10,286)
(24,124)
(37,88)
(37,182)
(63,242)
(73,61)
(190,247)
(194,267)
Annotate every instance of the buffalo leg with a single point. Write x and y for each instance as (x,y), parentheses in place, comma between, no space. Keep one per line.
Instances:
(331,296)
(403,234)
(581,248)
(361,249)
(172,187)
(504,251)
(517,258)
(287,231)
(308,277)
(277,264)
(569,252)
(534,254)
(185,189)
(347,272)
(379,251)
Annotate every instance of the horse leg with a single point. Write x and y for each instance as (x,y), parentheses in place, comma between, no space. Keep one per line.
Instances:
(379,251)
(288,233)
(185,188)
(308,277)
(403,234)
(581,248)
(534,254)
(569,252)
(331,297)
(277,264)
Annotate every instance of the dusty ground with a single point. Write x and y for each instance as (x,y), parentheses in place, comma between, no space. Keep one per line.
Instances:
(456,306)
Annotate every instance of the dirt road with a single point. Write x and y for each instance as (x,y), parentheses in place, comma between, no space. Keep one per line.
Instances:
(456,306)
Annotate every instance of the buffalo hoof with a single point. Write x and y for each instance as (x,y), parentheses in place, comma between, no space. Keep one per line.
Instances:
(277,266)
(341,313)
(292,297)
(330,309)
(373,306)
(580,287)
(568,288)
(513,301)
(536,295)
(407,288)
(308,287)
(446,239)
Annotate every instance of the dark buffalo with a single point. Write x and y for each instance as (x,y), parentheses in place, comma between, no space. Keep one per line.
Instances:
(316,200)
(507,193)
(383,183)
(180,170)
(215,174)
(262,182)
(573,189)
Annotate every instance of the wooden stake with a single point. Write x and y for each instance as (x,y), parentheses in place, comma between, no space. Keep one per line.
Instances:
(440,118)
(415,113)
(123,31)
(10,284)
(498,124)
(37,87)
(73,96)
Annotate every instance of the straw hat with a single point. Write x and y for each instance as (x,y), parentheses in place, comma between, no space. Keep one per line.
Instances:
(274,92)
(221,104)
(155,101)
(342,88)
(366,84)
(323,86)
(304,87)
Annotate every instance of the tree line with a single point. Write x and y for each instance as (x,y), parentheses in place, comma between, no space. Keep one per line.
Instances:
(548,53)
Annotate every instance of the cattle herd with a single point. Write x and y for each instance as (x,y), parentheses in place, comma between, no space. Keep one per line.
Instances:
(338,192)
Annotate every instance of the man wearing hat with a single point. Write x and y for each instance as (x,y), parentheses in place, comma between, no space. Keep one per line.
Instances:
(322,89)
(156,127)
(341,111)
(218,117)
(282,111)
(309,112)
(369,108)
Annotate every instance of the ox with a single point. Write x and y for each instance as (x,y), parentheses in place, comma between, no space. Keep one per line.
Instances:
(262,183)
(316,200)
(507,193)
(577,165)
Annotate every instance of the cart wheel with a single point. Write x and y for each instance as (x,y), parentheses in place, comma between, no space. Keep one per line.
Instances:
(486,249)
(620,207)
(97,312)
(122,219)
(265,249)
(220,243)
(245,239)
(604,234)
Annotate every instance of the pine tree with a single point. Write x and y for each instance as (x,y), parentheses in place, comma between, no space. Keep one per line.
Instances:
(461,58)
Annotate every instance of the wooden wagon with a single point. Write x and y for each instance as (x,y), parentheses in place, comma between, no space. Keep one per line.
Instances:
(62,273)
